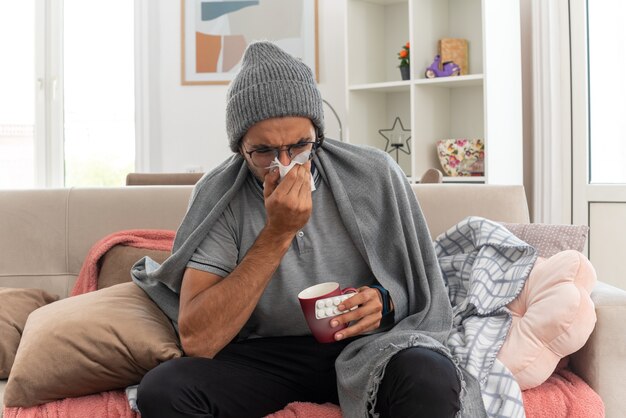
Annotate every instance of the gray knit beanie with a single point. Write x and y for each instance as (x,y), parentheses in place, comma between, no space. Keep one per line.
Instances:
(271,83)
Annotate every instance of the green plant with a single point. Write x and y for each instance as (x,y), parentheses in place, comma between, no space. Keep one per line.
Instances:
(404,55)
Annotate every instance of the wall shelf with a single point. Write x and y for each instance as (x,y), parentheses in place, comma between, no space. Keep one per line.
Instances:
(486,103)
(468,179)
(451,82)
(386,87)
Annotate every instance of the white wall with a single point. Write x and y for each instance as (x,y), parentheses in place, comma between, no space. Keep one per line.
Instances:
(187,127)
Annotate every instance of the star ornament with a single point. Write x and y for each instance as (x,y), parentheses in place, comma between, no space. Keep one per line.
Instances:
(397,137)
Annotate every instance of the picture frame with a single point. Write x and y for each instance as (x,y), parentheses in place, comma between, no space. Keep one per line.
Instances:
(215,33)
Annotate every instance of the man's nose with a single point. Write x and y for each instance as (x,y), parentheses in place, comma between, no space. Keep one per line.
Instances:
(283,157)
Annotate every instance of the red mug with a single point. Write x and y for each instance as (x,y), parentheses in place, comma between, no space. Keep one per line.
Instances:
(321,328)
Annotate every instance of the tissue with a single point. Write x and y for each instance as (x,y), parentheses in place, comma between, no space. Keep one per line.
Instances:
(298,159)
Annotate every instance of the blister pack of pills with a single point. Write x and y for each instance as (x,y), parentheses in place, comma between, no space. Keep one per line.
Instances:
(329,307)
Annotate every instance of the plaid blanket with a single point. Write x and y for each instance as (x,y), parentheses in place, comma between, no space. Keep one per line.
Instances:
(484,267)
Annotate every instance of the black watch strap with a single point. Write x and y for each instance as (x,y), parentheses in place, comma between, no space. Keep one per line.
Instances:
(384,293)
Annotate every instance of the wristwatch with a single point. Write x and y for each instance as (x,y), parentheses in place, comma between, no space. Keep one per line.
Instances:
(384,293)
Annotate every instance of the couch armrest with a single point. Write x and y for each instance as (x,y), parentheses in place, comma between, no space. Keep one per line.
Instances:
(602,361)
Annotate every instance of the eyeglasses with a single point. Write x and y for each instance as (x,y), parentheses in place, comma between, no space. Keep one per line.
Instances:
(263,157)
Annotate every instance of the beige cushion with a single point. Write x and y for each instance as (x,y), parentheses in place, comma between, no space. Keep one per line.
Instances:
(34,236)
(551,239)
(3,384)
(90,343)
(117,262)
(15,306)
(46,233)
(96,213)
(444,205)
(601,361)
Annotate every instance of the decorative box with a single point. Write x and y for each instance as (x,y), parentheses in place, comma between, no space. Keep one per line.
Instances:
(461,156)
(455,50)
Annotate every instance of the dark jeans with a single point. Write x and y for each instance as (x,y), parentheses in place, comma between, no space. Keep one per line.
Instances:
(257,377)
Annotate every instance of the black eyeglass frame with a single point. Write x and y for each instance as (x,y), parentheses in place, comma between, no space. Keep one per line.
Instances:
(276,150)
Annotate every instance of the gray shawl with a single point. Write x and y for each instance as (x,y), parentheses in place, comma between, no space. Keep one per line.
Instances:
(382,216)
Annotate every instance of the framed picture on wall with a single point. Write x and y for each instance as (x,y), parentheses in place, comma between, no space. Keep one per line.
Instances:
(215,34)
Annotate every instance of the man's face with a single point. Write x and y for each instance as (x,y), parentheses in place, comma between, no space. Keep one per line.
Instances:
(274,133)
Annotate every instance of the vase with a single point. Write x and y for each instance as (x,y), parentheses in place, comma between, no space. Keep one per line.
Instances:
(405,73)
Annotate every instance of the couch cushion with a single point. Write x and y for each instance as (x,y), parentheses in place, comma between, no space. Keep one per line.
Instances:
(55,284)
(46,233)
(3,384)
(96,213)
(116,263)
(15,306)
(444,205)
(89,346)
(552,317)
(33,225)
(601,361)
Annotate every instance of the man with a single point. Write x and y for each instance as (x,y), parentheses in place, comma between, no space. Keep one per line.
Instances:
(251,242)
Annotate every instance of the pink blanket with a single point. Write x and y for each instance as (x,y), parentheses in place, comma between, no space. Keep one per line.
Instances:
(105,404)
(563,395)
(151,239)
(308,410)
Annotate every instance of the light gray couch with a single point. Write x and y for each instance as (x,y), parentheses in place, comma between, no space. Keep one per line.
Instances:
(46,234)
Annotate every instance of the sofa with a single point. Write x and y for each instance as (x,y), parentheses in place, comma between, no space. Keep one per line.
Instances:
(46,234)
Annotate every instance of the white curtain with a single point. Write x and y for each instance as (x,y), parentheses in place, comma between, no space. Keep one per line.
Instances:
(551,112)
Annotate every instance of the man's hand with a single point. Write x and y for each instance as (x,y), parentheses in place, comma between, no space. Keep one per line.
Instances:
(288,204)
(366,317)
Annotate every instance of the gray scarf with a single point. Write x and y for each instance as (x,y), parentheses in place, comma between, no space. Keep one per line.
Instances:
(382,216)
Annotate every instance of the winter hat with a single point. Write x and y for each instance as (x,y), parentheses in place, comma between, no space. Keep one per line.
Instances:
(271,83)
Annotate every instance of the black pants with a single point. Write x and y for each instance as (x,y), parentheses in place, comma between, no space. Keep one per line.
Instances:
(257,377)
